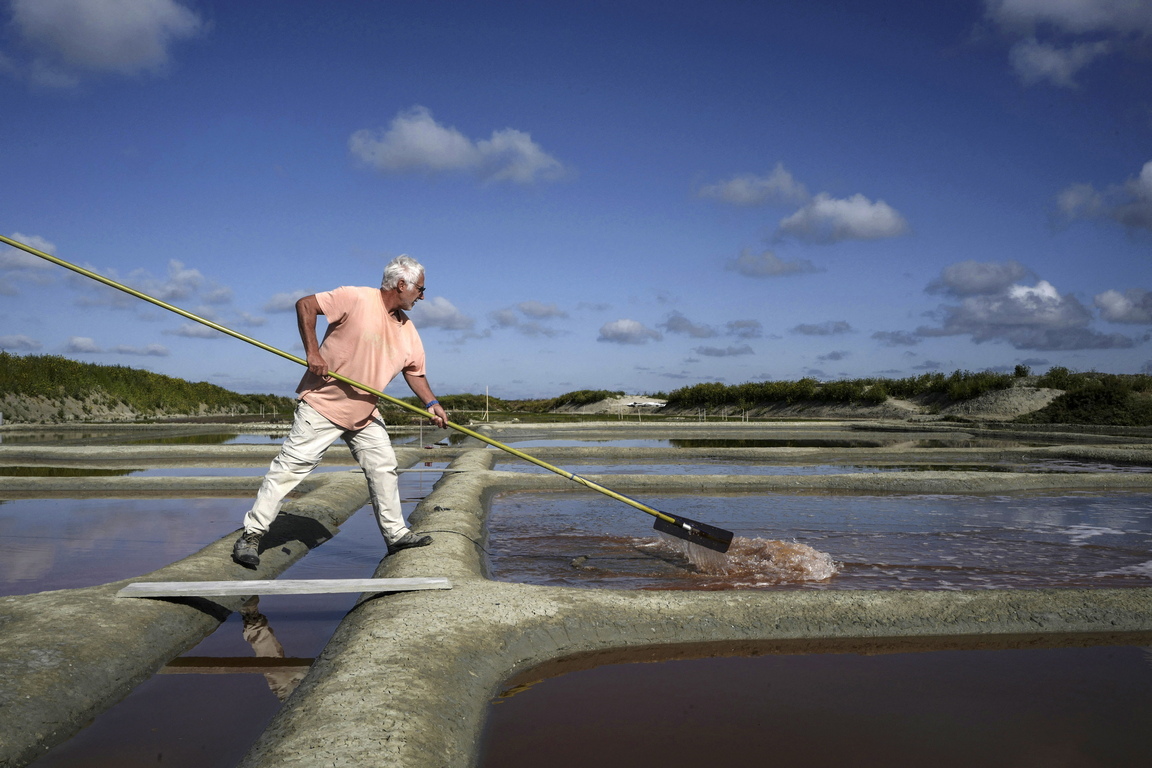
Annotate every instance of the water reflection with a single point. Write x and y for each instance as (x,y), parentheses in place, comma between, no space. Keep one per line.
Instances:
(63,543)
(257,632)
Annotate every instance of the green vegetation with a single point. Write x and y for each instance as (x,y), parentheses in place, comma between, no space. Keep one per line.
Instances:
(1095,398)
(961,385)
(1089,398)
(55,378)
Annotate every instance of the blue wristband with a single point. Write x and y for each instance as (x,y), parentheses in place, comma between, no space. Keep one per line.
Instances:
(429,404)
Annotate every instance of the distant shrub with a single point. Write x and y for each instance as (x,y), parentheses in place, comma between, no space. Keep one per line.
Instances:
(1095,398)
(55,377)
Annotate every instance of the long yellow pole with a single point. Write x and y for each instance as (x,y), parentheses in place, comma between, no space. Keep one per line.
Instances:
(676,521)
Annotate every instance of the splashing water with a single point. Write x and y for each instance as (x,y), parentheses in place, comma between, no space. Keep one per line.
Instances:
(757,561)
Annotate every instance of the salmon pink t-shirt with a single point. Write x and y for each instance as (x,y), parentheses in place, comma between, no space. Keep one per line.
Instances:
(366,343)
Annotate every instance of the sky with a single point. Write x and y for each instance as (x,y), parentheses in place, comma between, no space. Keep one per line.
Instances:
(631,195)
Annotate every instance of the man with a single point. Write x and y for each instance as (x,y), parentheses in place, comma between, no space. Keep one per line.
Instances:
(369,340)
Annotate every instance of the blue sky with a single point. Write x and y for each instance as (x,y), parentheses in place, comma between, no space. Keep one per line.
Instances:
(623,195)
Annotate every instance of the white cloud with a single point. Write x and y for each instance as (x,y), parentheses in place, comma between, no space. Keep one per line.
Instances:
(974,278)
(745,329)
(1129,203)
(74,37)
(82,345)
(896,338)
(151,350)
(536,311)
(14,258)
(1132,306)
(1073,16)
(628,332)
(196,331)
(19,343)
(284,302)
(778,188)
(180,286)
(678,323)
(820,219)
(829,328)
(743,349)
(826,219)
(438,312)
(416,142)
(17,265)
(1035,62)
(768,264)
(540,310)
(1027,317)
(1056,39)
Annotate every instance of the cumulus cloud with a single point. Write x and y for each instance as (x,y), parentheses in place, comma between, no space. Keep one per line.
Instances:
(745,329)
(414,141)
(820,219)
(1054,41)
(1128,203)
(195,331)
(975,278)
(438,312)
(1036,62)
(1027,317)
(14,258)
(534,311)
(19,343)
(284,302)
(834,356)
(72,38)
(82,345)
(830,328)
(827,220)
(777,188)
(678,323)
(744,349)
(540,310)
(625,331)
(896,338)
(1133,306)
(150,350)
(18,266)
(179,285)
(1073,16)
(768,264)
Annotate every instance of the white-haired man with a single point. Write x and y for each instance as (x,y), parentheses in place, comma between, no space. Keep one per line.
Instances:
(369,340)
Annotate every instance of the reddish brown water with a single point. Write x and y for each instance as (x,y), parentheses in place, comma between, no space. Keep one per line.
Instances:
(787,541)
(1067,707)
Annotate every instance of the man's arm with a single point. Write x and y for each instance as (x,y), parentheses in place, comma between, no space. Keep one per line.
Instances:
(307,310)
(420,388)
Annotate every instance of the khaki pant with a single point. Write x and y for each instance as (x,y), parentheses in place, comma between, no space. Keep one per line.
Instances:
(302,450)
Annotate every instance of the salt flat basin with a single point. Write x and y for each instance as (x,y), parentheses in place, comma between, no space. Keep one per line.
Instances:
(887,541)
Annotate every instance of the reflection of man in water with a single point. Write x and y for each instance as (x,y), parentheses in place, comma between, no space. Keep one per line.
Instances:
(260,636)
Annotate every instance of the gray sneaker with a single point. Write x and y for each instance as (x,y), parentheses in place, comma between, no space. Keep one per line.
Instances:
(408,541)
(246,550)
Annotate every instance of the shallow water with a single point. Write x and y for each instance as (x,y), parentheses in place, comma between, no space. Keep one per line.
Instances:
(210,719)
(702,468)
(893,541)
(67,543)
(946,709)
(878,441)
(726,467)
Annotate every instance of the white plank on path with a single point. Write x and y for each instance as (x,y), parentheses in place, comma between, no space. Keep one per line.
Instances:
(278,587)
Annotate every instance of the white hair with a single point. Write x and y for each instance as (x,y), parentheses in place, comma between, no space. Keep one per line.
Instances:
(403,267)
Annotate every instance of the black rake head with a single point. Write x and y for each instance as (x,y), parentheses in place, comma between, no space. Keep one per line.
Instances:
(694,532)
